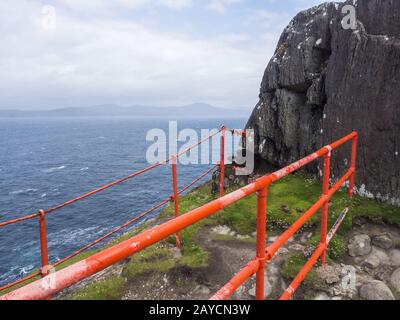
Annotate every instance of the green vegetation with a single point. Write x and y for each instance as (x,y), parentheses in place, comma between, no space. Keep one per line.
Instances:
(109,289)
(180,282)
(336,248)
(154,258)
(287,200)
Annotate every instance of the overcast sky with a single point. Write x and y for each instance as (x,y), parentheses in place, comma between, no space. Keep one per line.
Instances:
(149,52)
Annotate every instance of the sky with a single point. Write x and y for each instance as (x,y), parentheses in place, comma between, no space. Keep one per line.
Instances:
(66,53)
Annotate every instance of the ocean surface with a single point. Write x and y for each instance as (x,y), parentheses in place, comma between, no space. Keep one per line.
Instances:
(44,162)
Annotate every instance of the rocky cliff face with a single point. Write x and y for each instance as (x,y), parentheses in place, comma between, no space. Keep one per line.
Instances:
(325,81)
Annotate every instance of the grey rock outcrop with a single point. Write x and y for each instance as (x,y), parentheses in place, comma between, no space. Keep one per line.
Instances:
(324,82)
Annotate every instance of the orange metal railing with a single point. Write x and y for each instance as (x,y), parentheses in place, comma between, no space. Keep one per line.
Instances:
(64,278)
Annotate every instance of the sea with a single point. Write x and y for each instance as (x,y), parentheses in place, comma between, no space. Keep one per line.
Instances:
(47,161)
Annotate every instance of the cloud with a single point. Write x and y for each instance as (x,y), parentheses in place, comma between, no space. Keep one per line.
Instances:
(101,6)
(221,5)
(125,61)
(155,52)
(176,4)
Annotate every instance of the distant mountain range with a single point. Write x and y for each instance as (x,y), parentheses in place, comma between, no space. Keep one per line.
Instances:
(195,110)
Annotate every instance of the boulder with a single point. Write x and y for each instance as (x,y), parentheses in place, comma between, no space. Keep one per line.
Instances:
(377,257)
(372,262)
(359,245)
(376,290)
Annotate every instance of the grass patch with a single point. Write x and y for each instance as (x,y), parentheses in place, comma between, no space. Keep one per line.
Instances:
(180,282)
(152,259)
(108,289)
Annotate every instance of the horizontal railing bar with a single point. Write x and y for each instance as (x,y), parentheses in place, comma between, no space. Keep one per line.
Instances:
(6,223)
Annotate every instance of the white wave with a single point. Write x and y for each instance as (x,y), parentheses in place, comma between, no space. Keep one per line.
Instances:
(84,169)
(74,236)
(16,272)
(43,195)
(50,170)
(23,191)
(25,270)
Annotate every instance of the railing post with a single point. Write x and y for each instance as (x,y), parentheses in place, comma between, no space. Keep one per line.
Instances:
(261,239)
(43,243)
(222,164)
(176,196)
(325,207)
(353,165)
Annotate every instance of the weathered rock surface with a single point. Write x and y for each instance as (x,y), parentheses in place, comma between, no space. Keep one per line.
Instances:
(322,296)
(394,256)
(376,290)
(376,258)
(329,273)
(359,245)
(383,241)
(395,280)
(324,82)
